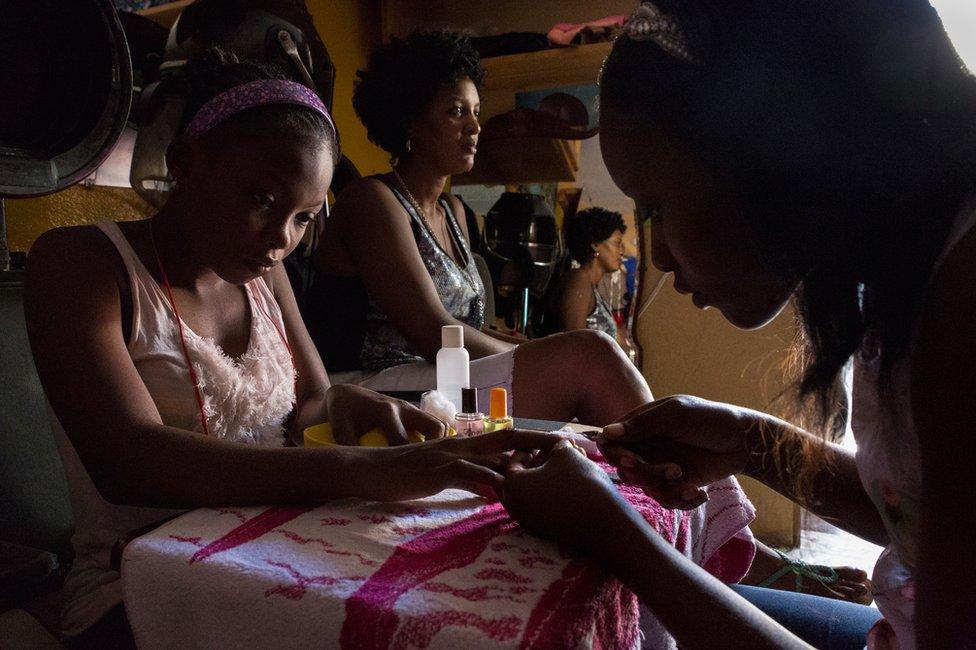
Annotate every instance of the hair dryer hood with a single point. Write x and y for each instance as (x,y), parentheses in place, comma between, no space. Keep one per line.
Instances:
(278,32)
(522,241)
(521,227)
(65,89)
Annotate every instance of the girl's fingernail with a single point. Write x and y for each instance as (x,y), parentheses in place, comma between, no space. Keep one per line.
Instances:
(689,493)
(613,431)
(628,461)
(673,472)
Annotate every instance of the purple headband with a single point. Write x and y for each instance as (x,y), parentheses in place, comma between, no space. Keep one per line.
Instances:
(251,95)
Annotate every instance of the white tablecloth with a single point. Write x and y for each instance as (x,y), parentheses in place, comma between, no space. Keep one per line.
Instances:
(449,571)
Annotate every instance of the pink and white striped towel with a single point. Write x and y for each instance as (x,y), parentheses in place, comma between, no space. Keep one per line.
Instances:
(448,571)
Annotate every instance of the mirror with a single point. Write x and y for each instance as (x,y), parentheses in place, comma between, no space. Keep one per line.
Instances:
(525,189)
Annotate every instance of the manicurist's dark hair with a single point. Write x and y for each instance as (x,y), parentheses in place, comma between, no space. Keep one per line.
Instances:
(846,130)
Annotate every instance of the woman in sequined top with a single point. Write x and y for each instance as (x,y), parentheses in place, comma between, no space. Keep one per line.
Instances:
(395,265)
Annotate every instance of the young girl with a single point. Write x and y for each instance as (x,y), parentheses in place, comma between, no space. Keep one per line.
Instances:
(174,358)
(825,152)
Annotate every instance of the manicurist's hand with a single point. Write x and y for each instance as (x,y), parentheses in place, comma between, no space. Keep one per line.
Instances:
(563,496)
(475,464)
(675,446)
(354,410)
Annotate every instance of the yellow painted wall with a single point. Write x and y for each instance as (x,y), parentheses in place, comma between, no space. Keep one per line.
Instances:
(696,352)
(350,29)
(28,218)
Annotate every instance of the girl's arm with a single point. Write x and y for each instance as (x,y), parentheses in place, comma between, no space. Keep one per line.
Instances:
(836,494)
(376,233)
(711,440)
(312,380)
(943,402)
(570,500)
(73,310)
(642,560)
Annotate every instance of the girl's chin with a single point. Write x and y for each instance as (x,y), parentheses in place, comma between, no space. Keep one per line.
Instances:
(466,164)
(239,275)
(750,319)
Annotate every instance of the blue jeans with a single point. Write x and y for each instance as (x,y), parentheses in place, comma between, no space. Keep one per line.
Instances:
(822,622)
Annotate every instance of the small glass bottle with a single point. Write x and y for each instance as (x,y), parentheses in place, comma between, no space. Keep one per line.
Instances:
(470,422)
(498,417)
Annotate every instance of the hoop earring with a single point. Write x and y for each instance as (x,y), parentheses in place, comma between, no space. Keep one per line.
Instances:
(408,146)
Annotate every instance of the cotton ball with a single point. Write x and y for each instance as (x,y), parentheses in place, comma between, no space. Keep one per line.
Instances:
(439,406)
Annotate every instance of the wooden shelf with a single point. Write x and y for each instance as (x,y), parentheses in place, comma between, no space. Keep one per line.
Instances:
(514,73)
(523,160)
(564,66)
(530,159)
(165,14)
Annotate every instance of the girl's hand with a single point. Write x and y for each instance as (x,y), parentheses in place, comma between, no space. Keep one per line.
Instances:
(354,410)
(563,496)
(675,446)
(475,464)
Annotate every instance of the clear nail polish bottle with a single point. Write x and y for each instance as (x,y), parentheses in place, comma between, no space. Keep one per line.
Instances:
(470,421)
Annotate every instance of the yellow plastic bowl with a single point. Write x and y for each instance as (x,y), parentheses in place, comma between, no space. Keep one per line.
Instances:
(373,438)
(320,435)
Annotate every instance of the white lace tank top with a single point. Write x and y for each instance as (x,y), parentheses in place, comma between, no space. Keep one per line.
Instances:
(246,400)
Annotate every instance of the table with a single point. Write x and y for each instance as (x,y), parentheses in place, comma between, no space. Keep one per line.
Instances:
(449,571)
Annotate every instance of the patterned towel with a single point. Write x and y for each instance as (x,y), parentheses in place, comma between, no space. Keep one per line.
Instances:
(448,571)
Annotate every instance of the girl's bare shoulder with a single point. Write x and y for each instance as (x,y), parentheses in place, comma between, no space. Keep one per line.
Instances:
(75,250)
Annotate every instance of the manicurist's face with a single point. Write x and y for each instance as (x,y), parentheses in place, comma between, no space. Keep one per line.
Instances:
(250,200)
(446,132)
(697,230)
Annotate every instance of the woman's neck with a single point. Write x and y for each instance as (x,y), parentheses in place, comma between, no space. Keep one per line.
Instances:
(181,266)
(425,184)
(594,271)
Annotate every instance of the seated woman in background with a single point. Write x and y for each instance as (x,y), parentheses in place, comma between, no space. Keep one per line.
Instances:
(395,264)
(595,239)
(176,362)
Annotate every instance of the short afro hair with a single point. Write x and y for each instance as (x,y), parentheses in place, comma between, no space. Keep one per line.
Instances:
(588,227)
(401,77)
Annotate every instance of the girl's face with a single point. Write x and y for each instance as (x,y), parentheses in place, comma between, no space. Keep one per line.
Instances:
(249,200)
(446,132)
(697,229)
(611,252)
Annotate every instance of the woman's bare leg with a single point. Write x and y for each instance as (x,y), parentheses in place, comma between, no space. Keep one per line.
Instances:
(581,374)
(852,584)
